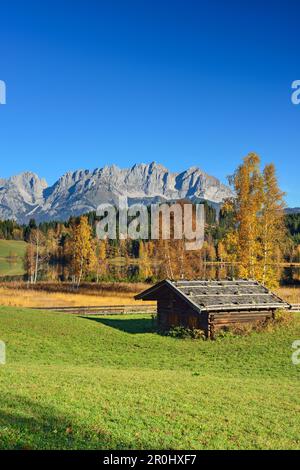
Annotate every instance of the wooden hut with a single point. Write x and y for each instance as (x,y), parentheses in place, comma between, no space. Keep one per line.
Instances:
(211,305)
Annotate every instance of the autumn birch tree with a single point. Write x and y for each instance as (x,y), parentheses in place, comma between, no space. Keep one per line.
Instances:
(272,227)
(101,262)
(84,258)
(145,268)
(255,242)
(36,255)
(242,241)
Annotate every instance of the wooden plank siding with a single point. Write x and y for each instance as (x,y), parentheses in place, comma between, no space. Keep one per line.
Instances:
(174,311)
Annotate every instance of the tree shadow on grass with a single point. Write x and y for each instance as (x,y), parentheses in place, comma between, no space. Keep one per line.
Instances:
(26,424)
(128,325)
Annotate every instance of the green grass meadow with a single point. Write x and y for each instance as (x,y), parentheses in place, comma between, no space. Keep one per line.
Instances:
(112,383)
(12,257)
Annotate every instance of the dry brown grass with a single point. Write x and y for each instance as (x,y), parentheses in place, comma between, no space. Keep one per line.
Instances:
(45,295)
(290,294)
(18,294)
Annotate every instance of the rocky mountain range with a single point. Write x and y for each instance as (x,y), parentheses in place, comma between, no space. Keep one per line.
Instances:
(26,196)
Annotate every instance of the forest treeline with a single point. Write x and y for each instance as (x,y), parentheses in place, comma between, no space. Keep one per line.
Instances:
(249,237)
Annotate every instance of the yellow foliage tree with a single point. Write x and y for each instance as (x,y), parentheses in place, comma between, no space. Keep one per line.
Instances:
(145,268)
(84,258)
(101,263)
(242,241)
(272,227)
(221,252)
(256,241)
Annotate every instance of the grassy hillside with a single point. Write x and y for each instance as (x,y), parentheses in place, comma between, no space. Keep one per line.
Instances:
(8,247)
(11,257)
(104,383)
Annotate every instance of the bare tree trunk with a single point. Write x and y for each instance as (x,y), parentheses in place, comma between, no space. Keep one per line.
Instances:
(36,260)
(80,273)
(98,271)
(182,260)
(265,257)
(170,263)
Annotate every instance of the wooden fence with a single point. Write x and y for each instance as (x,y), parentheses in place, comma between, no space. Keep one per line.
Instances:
(117,309)
(295,307)
(104,309)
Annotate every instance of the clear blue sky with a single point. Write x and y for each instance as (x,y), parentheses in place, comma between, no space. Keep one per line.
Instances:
(183,83)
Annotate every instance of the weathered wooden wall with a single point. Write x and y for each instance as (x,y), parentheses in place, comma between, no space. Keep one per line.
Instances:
(172,310)
(219,320)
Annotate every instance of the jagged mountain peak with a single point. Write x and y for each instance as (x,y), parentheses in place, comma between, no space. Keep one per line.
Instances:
(28,178)
(26,195)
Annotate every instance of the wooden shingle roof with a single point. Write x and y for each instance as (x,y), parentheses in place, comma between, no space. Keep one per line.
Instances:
(219,295)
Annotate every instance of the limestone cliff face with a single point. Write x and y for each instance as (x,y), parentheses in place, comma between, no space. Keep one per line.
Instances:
(27,196)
